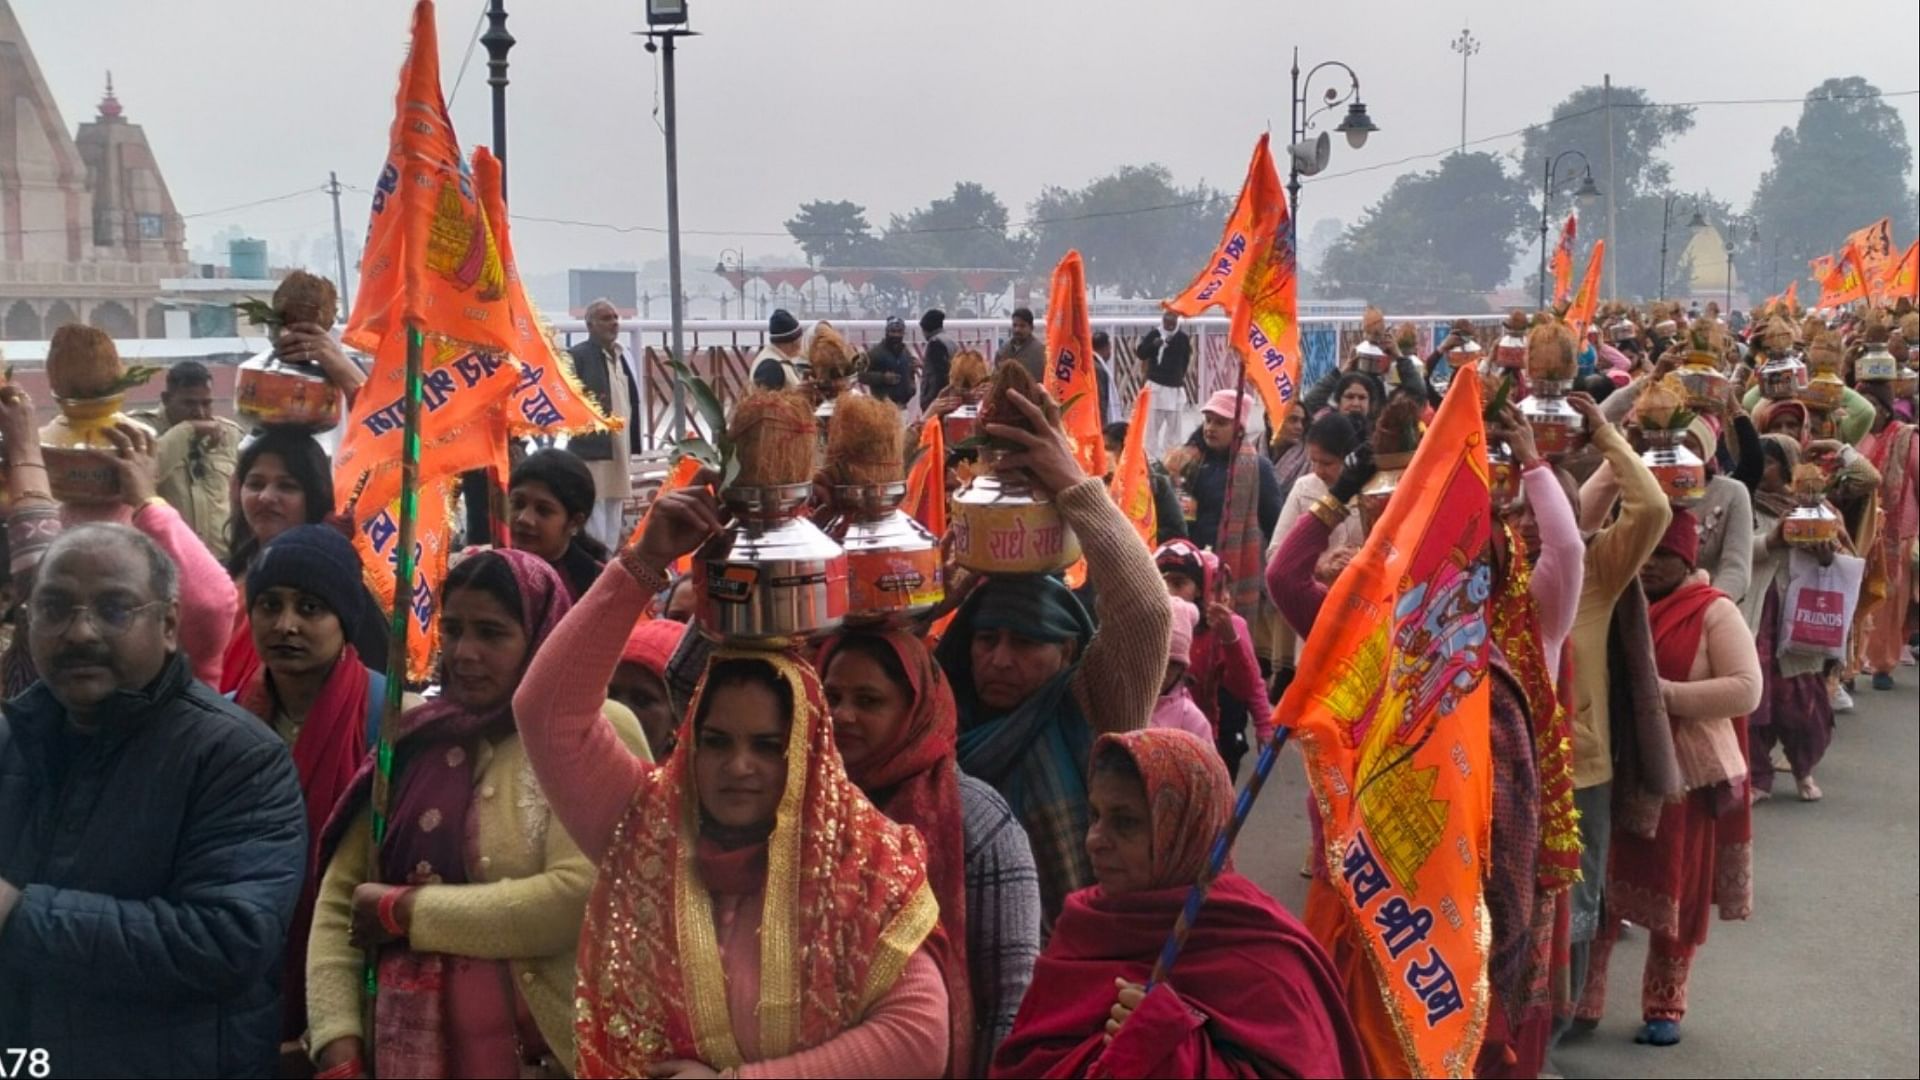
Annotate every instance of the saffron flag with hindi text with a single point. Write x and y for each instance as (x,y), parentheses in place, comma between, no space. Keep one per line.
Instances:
(1254,275)
(1845,281)
(1905,279)
(1391,711)
(1563,264)
(1587,300)
(1132,485)
(1874,246)
(1070,375)
(376,536)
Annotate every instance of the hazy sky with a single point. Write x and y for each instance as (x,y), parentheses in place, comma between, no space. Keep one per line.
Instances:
(887,102)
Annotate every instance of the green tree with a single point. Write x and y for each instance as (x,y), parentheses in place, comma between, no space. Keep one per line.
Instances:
(1844,165)
(1140,234)
(968,228)
(832,233)
(1435,238)
(1640,130)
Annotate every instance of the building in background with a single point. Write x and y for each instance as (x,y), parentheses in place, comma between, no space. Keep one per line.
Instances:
(88,231)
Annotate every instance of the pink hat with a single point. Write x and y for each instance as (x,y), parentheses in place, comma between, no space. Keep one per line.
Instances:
(1180,640)
(1222,404)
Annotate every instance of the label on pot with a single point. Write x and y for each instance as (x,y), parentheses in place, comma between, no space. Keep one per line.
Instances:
(1016,539)
(731,583)
(893,580)
(1682,483)
(276,398)
(81,476)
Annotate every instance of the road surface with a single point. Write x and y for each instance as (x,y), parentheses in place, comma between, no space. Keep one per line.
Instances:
(1825,979)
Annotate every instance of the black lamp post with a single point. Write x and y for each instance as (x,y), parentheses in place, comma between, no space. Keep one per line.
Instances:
(667,21)
(1666,221)
(1307,160)
(483,493)
(1585,194)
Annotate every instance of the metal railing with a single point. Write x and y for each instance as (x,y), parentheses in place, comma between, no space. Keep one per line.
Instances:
(722,350)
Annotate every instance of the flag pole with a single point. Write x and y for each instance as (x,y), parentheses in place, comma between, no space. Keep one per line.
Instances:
(1217,858)
(396,638)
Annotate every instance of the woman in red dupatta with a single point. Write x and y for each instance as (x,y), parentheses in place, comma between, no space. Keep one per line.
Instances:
(1252,993)
(903,759)
(1700,855)
(303,592)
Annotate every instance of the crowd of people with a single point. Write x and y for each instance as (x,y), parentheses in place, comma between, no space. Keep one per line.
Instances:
(601,842)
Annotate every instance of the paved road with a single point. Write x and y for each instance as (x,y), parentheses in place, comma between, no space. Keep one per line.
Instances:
(1824,981)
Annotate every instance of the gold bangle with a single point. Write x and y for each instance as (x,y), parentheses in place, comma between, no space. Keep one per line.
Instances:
(1329,510)
(650,579)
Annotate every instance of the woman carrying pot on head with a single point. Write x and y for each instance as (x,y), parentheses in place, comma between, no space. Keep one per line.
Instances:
(1159,798)
(34,520)
(284,482)
(549,499)
(303,592)
(476,903)
(754,913)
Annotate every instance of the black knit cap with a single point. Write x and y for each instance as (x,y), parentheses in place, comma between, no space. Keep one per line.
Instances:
(932,321)
(782,326)
(318,561)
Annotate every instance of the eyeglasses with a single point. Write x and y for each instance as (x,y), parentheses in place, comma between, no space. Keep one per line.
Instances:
(111,617)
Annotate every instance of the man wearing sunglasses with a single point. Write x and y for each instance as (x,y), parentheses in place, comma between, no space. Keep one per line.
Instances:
(152,837)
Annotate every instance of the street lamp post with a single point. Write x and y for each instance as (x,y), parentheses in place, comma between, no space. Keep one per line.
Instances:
(481,490)
(667,20)
(1306,160)
(1466,45)
(1585,195)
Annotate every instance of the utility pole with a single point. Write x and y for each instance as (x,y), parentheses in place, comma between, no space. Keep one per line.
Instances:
(1466,45)
(339,241)
(676,298)
(1613,185)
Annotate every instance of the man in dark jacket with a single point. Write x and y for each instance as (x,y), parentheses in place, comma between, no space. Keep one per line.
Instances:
(1167,352)
(152,838)
(936,360)
(606,371)
(889,371)
(1022,346)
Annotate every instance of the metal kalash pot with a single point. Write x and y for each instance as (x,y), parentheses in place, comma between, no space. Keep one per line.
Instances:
(1557,428)
(772,576)
(1705,383)
(893,562)
(81,462)
(1782,377)
(1681,473)
(1906,382)
(1811,523)
(1371,359)
(1001,525)
(1824,392)
(1379,490)
(1510,352)
(958,425)
(271,392)
(1876,364)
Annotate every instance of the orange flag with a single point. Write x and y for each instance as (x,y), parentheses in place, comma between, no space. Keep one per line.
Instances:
(431,255)
(1587,300)
(1253,274)
(549,399)
(1874,246)
(1132,485)
(1070,375)
(1391,709)
(1845,281)
(927,480)
(1563,264)
(1905,278)
(683,473)
(376,537)
(1819,267)
(1792,295)
(432,261)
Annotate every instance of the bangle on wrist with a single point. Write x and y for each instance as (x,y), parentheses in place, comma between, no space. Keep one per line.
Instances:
(1329,510)
(650,578)
(353,1066)
(385,909)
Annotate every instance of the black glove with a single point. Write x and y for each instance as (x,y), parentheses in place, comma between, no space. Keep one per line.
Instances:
(1359,469)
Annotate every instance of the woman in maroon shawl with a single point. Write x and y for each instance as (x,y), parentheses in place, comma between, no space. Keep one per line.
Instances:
(1252,994)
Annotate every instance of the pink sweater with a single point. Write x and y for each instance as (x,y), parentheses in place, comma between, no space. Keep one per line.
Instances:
(1557,575)
(590,778)
(1176,710)
(208,599)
